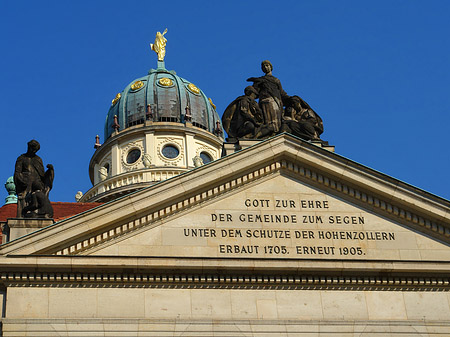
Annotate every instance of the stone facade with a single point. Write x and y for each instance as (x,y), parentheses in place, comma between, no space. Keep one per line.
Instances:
(283,238)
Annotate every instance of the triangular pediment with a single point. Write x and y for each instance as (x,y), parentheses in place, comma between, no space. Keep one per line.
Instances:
(278,217)
(280,199)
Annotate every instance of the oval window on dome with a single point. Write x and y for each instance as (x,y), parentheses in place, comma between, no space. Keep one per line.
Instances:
(133,156)
(206,157)
(170,151)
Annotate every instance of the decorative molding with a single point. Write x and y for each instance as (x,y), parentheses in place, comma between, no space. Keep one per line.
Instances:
(208,149)
(193,88)
(124,153)
(147,160)
(333,282)
(102,173)
(178,143)
(116,99)
(224,327)
(137,85)
(165,82)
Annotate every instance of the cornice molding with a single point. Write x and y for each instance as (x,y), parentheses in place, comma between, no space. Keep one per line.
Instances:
(235,281)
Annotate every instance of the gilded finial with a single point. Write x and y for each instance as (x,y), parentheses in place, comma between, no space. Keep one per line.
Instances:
(159,47)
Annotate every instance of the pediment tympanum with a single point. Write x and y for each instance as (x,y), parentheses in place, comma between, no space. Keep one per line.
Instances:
(278,217)
(280,199)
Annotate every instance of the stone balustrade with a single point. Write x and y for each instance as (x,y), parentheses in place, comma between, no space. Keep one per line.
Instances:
(139,178)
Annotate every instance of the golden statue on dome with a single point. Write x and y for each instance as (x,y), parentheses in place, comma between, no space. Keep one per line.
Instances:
(160,45)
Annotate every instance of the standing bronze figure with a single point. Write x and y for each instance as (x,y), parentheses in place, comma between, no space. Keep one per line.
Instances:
(271,96)
(33,184)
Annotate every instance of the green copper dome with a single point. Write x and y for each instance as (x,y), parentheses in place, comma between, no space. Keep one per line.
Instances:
(162,96)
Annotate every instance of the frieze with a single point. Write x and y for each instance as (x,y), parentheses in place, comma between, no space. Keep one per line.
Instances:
(238,281)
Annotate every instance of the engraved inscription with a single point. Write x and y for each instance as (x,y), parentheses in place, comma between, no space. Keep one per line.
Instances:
(287,227)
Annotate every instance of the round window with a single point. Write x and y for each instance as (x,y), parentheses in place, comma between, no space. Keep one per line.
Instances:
(170,151)
(133,156)
(205,157)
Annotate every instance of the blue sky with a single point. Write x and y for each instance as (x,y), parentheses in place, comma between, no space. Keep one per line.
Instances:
(377,72)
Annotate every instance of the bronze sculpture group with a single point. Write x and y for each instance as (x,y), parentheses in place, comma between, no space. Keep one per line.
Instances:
(33,184)
(276,111)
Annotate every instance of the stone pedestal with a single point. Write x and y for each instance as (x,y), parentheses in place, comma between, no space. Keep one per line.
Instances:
(323,144)
(17,227)
(230,148)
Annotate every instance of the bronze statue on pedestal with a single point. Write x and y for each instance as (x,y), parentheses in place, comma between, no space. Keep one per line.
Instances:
(275,112)
(33,184)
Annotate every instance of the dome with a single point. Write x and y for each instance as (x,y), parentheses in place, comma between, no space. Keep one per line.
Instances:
(162,96)
(159,126)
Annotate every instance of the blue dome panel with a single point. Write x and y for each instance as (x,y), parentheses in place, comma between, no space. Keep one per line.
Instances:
(168,99)
(136,106)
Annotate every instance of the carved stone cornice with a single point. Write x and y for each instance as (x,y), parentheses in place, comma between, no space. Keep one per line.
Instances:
(235,281)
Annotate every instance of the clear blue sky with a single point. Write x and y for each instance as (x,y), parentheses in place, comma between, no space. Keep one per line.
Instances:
(377,72)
